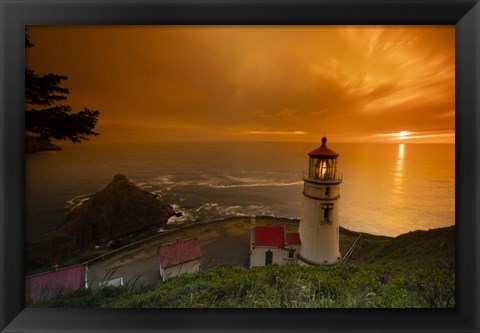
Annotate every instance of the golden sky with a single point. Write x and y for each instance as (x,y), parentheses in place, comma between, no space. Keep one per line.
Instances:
(257,83)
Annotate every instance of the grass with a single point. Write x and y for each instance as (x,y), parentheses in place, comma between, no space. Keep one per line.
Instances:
(291,286)
(414,270)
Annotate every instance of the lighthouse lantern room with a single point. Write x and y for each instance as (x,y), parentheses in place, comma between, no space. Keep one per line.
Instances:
(319,225)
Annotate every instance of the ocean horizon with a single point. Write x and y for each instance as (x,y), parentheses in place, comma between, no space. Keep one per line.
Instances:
(387,189)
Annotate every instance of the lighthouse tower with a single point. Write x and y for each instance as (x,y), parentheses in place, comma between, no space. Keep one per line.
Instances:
(319,227)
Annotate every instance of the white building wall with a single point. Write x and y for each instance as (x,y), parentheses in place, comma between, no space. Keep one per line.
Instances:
(319,190)
(257,256)
(173,271)
(320,241)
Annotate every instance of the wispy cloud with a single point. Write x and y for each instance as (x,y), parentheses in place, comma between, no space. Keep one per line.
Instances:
(275,132)
(214,82)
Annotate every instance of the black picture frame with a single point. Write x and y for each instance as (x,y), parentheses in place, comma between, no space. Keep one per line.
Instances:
(15,14)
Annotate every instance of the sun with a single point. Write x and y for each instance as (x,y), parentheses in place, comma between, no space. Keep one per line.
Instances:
(403,134)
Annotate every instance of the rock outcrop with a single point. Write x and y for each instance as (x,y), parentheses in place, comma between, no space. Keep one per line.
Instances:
(35,144)
(119,208)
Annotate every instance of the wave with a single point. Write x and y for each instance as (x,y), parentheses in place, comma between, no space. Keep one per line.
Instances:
(164,188)
(206,211)
(272,184)
(185,217)
(213,211)
(167,183)
(76,201)
(159,180)
(207,207)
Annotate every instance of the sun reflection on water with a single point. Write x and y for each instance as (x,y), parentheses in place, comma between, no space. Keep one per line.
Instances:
(398,175)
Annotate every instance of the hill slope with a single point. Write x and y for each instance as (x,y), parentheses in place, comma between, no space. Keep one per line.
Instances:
(413,248)
(416,269)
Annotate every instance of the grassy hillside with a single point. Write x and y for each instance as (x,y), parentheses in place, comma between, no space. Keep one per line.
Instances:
(413,248)
(416,269)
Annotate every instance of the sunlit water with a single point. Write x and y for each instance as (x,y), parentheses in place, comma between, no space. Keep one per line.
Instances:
(387,189)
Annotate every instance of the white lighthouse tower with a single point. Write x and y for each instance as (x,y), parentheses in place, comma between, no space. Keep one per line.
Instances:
(319,227)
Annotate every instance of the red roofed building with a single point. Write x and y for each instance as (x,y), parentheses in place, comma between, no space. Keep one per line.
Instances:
(270,245)
(56,282)
(179,258)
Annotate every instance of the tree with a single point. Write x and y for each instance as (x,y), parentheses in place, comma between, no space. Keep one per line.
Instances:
(46,117)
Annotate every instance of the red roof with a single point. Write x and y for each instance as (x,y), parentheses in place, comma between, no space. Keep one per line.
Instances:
(293,238)
(323,151)
(55,282)
(179,253)
(269,236)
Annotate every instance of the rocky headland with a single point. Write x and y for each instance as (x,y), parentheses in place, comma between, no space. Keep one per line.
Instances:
(118,209)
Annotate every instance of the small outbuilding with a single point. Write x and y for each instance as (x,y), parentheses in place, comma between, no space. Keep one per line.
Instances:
(270,245)
(179,258)
(55,282)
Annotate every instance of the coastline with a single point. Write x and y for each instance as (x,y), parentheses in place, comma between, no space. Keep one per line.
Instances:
(137,245)
(151,237)
(146,236)
(225,246)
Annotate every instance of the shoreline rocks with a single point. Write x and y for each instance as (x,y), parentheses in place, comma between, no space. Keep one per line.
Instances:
(118,209)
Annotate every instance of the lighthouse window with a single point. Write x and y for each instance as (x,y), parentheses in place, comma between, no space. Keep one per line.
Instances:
(327,213)
(324,169)
(327,191)
(317,169)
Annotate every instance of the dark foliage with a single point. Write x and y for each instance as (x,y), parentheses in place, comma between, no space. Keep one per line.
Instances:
(59,124)
(51,120)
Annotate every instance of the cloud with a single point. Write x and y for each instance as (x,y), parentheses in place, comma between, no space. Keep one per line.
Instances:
(276,132)
(351,81)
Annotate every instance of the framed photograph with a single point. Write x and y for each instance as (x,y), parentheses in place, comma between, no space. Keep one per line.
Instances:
(254,165)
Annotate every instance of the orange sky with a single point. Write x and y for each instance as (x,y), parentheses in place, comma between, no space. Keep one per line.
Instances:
(271,83)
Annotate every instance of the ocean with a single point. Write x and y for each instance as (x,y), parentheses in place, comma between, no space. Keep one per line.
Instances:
(387,189)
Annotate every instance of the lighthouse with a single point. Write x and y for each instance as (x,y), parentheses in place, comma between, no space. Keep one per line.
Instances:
(319,226)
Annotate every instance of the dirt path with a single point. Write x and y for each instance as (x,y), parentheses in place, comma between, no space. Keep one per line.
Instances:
(222,243)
